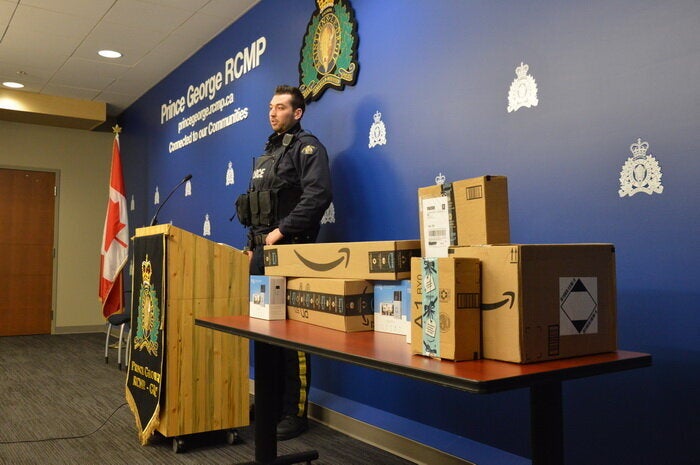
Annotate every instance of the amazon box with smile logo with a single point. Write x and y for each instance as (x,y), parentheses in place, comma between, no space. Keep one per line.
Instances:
(383,260)
(342,304)
(547,301)
(446,315)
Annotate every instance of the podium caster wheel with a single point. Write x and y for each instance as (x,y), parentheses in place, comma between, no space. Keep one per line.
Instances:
(178,445)
(232,437)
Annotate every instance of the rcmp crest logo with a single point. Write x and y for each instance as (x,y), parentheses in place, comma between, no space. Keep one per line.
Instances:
(377,133)
(149,322)
(641,172)
(329,49)
(523,90)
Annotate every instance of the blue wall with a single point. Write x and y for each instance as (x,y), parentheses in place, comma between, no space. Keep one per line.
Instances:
(608,72)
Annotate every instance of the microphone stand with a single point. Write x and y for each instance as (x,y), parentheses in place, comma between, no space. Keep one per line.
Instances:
(153,221)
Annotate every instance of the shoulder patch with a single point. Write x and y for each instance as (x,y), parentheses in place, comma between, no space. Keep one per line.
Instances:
(308,149)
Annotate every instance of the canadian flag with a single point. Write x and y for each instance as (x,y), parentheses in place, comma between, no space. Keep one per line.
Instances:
(115,238)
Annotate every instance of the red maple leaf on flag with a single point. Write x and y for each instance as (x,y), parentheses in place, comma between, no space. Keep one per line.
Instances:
(113,226)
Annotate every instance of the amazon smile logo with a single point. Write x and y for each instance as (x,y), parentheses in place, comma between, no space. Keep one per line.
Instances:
(316,266)
(509,296)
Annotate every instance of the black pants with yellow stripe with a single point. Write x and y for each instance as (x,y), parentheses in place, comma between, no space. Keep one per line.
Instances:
(293,366)
(295,388)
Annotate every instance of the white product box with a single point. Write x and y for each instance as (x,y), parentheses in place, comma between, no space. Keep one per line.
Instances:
(267,297)
(392,306)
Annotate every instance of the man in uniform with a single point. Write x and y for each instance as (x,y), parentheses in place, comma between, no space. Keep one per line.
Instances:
(289,192)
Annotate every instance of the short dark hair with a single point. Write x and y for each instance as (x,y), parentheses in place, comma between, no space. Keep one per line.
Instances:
(297,96)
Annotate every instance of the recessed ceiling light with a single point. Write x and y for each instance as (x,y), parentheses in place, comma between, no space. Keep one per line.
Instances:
(109,54)
(13,85)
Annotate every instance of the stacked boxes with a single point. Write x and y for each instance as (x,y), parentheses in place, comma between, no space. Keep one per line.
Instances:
(472,293)
(446,316)
(538,302)
(331,284)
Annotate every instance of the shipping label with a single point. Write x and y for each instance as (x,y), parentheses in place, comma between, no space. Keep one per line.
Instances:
(578,305)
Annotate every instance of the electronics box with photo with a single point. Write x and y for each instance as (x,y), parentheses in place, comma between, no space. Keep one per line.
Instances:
(392,306)
(267,297)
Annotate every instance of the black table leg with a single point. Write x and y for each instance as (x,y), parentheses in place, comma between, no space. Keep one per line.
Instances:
(546,424)
(265,414)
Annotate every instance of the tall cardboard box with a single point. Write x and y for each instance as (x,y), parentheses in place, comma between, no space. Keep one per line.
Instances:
(544,302)
(342,304)
(467,212)
(446,315)
(383,260)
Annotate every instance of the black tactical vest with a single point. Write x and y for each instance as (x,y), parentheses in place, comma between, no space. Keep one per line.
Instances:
(269,198)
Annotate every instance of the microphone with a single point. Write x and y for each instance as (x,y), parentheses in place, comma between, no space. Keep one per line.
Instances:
(186,178)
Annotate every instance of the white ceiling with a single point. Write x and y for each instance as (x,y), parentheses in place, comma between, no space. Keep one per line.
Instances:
(51,45)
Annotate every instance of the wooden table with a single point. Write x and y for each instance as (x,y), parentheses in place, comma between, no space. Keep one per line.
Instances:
(390,353)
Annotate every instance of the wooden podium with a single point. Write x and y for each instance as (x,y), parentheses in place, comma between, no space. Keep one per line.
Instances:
(205,374)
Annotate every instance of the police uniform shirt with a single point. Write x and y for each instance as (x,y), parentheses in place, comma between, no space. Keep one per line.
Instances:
(300,174)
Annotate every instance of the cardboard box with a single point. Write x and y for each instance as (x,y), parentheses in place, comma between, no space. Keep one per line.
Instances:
(392,306)
(468,212)
(385,260)
(342,304)
(267,297)
(446,315)
(543,302)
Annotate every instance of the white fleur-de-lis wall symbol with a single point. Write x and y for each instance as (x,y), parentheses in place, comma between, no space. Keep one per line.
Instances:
(230,178)
(329,215)
(206,230)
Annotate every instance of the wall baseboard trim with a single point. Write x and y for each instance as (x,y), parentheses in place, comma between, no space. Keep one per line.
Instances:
(80,329)
(396,444)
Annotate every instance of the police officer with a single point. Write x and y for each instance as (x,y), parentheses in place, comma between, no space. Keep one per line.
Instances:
(289,192)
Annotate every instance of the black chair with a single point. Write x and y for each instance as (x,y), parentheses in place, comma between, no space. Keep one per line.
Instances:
(121,320)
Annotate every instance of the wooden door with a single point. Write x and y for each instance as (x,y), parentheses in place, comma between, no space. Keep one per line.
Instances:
(27,202)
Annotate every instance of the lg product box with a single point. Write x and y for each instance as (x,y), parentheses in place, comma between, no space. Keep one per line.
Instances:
(267,297)
(342,304)
(392,306)
(468,212)
(384,260)
(446,315)
(544,302)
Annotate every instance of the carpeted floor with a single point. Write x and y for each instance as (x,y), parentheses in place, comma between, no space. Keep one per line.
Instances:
(61,404)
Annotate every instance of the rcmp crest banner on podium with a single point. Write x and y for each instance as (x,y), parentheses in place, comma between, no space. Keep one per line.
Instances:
(145,371)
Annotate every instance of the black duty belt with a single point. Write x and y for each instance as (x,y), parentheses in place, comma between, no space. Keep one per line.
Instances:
(259,239)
